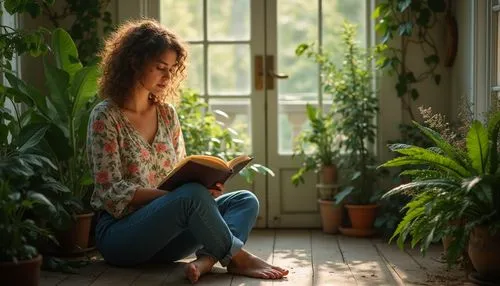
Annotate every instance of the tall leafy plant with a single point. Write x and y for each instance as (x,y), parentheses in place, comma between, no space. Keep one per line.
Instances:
(64,111)
(355,108)
(318,145)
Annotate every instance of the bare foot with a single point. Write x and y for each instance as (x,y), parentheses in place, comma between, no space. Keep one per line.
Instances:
(247,264)
(198,267)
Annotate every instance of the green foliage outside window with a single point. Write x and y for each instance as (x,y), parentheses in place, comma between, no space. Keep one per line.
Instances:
(204,135)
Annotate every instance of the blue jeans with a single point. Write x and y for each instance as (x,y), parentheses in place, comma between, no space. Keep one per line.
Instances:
(174,226)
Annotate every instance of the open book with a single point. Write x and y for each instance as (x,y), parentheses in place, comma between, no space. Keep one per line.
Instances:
(204,169)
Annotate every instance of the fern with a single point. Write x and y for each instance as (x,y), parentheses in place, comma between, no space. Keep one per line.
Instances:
(434,160)
(427,184)
(421,174)
(450,150)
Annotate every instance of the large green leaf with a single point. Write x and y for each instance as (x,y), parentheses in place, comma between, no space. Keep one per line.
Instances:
(34,137)
(477,146)
(31,92)
(417,155)
(41,199)
(59,143)
(66,53)
(19,97)
(58,82)
(422,174)
(427,184)
(83,88)
(493,130)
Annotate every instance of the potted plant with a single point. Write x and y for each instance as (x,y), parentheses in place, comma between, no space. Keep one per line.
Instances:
(24,208)
(355,108)
(317,146)
(459,184)
(65,111)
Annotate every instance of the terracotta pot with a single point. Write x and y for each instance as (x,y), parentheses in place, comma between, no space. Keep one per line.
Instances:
(484,253)
(362,216)
(76,238)
(25,272)
(329,175)
(331,216)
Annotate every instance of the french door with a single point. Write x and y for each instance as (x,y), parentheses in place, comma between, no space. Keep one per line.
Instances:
(243,63)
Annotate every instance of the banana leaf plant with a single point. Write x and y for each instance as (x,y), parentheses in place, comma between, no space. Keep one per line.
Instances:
(449,184)
(64,110)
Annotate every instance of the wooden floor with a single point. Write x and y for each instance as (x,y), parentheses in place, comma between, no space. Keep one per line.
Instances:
(312,257)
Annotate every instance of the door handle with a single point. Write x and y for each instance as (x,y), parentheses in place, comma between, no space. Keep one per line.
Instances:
(271,75)
(277,75)
(259,72)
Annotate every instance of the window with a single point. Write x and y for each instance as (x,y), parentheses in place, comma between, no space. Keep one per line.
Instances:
(495,54)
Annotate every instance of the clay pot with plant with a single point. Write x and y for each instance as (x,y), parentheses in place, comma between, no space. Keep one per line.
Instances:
(459,183)
(317,147)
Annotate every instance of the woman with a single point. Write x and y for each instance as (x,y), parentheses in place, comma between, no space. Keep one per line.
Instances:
(134,140)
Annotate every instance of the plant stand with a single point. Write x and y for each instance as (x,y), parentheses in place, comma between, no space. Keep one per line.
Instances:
(331,213)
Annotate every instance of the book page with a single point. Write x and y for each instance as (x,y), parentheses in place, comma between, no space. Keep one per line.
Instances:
(239,160)
(211,161)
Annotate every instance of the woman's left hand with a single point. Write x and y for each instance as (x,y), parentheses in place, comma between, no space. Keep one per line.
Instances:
(218,191)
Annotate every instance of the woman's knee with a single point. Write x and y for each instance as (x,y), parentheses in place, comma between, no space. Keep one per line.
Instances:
(194,191)
(250,200)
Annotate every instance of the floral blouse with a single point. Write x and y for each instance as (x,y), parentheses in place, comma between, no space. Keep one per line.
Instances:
(122,160)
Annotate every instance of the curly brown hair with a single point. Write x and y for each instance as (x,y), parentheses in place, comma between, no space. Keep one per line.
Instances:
(129,49)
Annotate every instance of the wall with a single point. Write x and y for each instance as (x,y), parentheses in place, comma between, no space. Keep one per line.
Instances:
(32,68)
(436,96)
(461,81)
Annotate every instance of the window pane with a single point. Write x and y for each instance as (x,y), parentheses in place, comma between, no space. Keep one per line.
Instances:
(297,23)
(229,69)
(184,17)
(228,19)
(195,78)
(334,15)
(237,119)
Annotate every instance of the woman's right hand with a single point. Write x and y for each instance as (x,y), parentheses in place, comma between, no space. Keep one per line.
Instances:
(217,191)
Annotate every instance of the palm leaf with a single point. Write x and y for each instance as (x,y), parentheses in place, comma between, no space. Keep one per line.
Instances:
(422,174)
(426,184)
(477,146)
(421,156)
(65,51)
